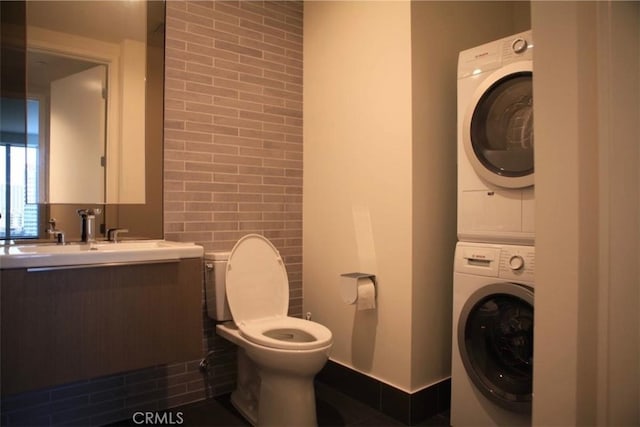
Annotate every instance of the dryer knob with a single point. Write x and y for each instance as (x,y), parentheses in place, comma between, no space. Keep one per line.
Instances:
(516,262)
(519,45)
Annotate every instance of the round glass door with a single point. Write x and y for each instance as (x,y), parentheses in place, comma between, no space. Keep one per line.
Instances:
(502,127)
(495,339)
(498,127)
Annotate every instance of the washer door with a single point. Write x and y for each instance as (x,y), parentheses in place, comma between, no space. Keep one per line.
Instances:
(495,340)
(498,127)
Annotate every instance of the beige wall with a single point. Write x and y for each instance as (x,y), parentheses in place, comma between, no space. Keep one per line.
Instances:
(439,31)
(560,196)
(357,178)
(379,176)
(587,331)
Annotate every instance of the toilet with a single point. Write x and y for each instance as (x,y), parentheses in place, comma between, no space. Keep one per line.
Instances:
(278,356)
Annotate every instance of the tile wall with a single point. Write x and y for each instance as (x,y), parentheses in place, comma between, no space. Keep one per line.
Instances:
(233,165)
(233,126)
(233,135)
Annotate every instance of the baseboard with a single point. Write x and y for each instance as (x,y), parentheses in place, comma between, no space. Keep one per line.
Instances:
(408,408)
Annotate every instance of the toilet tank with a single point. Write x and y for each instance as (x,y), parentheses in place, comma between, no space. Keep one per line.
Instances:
(214,285)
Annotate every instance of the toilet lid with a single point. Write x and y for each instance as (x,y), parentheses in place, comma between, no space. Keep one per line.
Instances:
(256,280)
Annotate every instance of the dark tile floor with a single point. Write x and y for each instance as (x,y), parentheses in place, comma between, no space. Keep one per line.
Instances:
(334,408)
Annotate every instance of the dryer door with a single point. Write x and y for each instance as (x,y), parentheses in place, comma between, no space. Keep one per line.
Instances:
(498,127)
(495,340)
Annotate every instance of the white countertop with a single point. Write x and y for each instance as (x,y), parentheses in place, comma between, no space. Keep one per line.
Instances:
(41,255)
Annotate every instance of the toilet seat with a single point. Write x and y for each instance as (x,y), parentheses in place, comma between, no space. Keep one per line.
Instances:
(258,295)
(286,333)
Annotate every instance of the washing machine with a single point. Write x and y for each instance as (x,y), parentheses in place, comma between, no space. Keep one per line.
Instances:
(492,339)
(495,142)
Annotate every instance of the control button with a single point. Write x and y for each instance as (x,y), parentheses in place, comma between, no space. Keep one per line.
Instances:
(519,45)
(516,262)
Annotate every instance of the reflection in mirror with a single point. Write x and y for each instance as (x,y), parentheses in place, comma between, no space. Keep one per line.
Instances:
(90,81)
(116,48)
(76,129)
(76,137)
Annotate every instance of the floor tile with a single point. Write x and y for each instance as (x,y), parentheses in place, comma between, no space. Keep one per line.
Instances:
(334,409)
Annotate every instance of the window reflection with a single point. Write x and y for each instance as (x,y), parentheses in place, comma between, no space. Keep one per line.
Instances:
(18,191)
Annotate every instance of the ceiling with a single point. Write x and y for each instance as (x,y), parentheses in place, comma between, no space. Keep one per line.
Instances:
(110,21)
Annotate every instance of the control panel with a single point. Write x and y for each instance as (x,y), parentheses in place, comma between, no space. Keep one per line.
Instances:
(517,262)
(510,262)
(518,48)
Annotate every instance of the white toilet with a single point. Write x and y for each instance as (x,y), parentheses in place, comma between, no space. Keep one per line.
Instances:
(278,356)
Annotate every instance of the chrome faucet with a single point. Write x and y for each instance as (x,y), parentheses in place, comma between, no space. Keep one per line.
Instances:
(88,217)
(52,230)
(114,233)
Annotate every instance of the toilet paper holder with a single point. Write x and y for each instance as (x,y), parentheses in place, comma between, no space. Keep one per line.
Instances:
(349,285)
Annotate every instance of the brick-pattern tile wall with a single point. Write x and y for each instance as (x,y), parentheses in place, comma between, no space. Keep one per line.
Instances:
(233,165)
(233,126)
(107,399)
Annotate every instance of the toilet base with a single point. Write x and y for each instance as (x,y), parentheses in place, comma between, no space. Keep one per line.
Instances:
(245,406)
(274,386)
(245,397)
(274,400)
(286,401)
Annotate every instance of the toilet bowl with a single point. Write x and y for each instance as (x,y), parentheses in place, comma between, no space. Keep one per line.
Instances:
(278,356)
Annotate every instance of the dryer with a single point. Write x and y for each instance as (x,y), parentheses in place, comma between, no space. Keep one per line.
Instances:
(495,142)
(492,336)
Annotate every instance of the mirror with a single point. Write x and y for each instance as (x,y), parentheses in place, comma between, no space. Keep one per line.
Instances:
(94,130)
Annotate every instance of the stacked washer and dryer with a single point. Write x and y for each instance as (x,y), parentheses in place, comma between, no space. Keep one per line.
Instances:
(493,281)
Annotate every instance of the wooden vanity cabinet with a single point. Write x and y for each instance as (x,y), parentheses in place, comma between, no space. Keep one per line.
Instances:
(65,325)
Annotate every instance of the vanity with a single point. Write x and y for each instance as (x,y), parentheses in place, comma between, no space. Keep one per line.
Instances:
(78,311)
(74,311)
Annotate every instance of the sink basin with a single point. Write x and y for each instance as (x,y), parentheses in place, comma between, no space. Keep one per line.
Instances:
(72,254)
